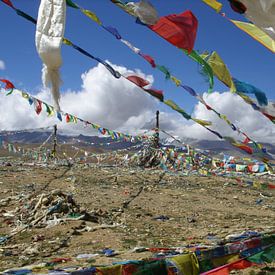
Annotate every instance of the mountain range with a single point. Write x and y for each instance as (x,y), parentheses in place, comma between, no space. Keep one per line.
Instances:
(106,143)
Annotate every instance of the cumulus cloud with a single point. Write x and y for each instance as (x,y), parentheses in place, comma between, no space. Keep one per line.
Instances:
(119,105)
(2,65)
(238,112)
(112,103)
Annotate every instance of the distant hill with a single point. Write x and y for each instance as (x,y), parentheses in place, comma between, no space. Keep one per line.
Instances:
(80,140)
(106,143)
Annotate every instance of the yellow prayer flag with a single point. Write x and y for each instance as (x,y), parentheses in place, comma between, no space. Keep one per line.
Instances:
(187,264)
(256,184)
(67,42)
(51,111)
(202,122)
(220,70)
(256,33)
(92,16)
(175,80)
(217,6)
(25,95)
(225,260)
(246,98)
(224,117)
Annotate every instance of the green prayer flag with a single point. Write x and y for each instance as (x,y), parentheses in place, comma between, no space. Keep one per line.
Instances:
(71,4)
(165,71)
(206,67)
(175,107)
(266,256)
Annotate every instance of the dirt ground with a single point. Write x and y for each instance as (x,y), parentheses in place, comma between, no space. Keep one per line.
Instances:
(137,208)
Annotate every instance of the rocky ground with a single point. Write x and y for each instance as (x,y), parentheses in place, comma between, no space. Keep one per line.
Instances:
(120,209)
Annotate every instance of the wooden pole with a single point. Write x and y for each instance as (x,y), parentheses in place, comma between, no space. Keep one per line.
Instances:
(54,140)
(157,128)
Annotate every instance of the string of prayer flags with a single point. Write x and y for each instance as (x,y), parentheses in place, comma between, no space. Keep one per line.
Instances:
(175,107)
(137,81)
(69,43)
(163,69)
(19,12)
(260,13)
(41,155)
(116,74)
(197,58)
(38,107)
(179,30)
(159,95)
(221,71)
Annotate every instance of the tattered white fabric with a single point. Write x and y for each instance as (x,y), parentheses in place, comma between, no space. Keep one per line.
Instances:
(48,39)
(262,14)
(144,11)
(129,45)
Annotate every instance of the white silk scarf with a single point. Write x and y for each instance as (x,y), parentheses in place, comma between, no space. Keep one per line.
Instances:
(48,39)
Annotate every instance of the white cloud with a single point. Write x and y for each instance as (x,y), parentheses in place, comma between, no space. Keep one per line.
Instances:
(238,112)
(118,104)
(2,65)
(112,103)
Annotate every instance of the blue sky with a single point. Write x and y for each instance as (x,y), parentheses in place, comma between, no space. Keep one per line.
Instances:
(247,59)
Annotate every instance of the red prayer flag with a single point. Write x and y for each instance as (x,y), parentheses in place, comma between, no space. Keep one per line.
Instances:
(156,93)
(38,107)
(224,270)
(246,140)
(149,59)
(242,264)
(244,148)
(138,80)
(68,118)
(272,118)
(102,131)
(208,107)
(178,29)
(9,3)
(9,85)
